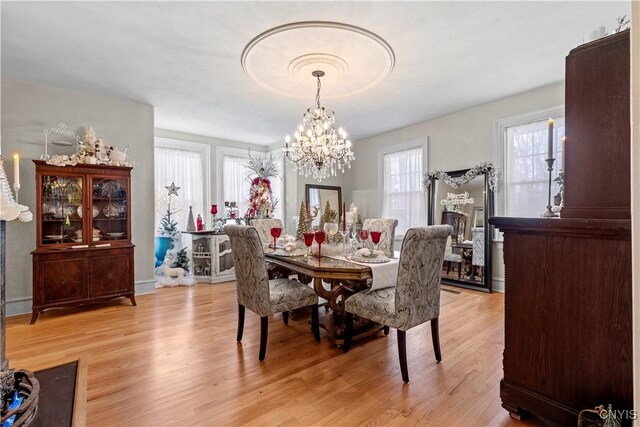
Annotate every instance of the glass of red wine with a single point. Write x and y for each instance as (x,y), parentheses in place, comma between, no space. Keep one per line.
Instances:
(364,235)
(375,237)
(275,233)
(320,236)
(308,240)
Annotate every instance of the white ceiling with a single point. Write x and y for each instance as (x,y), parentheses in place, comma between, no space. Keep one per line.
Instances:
(184,57)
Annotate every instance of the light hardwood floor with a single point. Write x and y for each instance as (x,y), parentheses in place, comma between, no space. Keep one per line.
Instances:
(173,361)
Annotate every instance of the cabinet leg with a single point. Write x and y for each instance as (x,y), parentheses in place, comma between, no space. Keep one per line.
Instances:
(133,300)
(34,316)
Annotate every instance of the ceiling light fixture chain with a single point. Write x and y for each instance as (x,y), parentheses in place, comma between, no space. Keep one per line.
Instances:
(318,149)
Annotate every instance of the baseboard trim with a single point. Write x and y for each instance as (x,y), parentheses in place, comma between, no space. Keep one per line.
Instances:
(498,284)
(145,287)
(19,306)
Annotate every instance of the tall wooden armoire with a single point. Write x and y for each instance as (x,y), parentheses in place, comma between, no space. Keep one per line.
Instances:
(568,324)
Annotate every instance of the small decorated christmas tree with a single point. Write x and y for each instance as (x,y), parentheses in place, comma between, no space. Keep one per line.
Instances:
(181,260)
(191,225)
(304,222)
(328,215)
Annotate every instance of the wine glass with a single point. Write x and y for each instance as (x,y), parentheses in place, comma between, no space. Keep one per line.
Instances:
(320,236)
(308,240)
(375,237)
(275,233)
(364,235)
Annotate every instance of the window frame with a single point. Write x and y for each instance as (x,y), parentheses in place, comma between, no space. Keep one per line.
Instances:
(500,147)
(422,143)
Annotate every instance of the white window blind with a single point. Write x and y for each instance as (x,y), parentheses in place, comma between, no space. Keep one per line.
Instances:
(402,195)
(526,175)
(277,185)
(185,169)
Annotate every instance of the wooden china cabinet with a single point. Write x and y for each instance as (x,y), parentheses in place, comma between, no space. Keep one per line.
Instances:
(83,249)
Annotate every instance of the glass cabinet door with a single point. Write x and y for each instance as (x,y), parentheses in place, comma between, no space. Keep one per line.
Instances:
(109,209)
(61,209)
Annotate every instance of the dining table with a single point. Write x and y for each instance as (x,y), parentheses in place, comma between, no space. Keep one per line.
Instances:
(334,279)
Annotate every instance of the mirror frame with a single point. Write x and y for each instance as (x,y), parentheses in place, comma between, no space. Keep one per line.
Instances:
(488,228)
(308,187)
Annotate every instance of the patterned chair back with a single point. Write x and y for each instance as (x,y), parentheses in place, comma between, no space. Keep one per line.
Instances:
(388,225)
(478,246)
(264,227)
(252,280)
(418,286)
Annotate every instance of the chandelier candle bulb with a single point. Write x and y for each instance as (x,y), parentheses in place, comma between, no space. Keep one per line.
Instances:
(550,147)
(16,170)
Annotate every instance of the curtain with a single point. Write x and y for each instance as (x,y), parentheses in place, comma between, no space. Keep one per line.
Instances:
(185,169)
(235,182)
(526,175)
(403,197)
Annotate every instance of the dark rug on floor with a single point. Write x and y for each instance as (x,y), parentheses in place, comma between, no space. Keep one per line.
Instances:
(57,392)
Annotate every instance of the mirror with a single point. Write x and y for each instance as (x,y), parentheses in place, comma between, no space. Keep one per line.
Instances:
(462,199)
(317,198)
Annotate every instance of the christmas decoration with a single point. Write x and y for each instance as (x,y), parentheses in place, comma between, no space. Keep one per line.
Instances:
(181,260)
(174,269)
(191,225)
(304,222)
(328,215)
(261,200)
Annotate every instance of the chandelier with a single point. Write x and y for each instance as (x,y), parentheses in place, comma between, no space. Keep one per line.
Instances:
(318,149)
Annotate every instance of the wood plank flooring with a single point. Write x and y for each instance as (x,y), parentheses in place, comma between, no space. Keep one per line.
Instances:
(173,361)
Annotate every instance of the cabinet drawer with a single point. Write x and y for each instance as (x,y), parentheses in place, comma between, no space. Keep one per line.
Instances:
(63,280)
(110,275)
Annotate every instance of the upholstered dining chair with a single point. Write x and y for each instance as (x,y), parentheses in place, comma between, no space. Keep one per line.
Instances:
(261,295)
(450,257)
(388,225)
(477,259)
(416,297)
(264,226)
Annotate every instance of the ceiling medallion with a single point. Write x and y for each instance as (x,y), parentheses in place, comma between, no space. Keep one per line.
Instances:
(318,150)
(353,59)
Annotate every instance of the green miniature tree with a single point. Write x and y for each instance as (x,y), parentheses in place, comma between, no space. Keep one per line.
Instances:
(182,260)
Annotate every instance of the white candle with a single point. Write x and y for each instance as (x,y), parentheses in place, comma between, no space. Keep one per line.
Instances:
(16,170)
(550,147)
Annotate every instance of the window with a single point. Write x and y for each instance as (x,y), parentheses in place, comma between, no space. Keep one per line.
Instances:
(185,164)
(402,195)
(525,175)
(233,184)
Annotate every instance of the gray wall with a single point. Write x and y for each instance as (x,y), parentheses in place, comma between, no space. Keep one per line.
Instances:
(456,141)
(27,109)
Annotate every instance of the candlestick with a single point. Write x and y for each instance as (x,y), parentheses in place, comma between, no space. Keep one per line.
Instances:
(550,146)
(549,213)
(344,217)
(16,174)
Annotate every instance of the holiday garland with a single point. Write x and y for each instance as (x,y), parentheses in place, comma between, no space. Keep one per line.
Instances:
(456,182)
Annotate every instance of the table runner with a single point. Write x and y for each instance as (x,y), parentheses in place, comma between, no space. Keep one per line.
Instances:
(384,275)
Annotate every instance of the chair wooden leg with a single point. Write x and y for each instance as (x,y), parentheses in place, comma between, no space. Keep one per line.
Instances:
(402,354)
(315,322)
(448,266)
(264,331)
(348,331)
(459,270)
(240,322)
(435,336)
(285,317)
(385,329)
